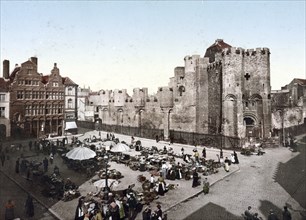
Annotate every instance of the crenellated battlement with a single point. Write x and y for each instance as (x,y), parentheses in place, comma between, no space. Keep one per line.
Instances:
(140,96)
(191,62)
(214,65)
(165,96)
(245,52)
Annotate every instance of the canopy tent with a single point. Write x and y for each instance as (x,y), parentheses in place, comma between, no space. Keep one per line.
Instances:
(70,125)
(120,147)
(112,183)
(81,153)
(108,144)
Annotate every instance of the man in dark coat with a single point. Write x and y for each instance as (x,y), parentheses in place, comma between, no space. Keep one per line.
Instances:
(146,214)
(29,206)
(272,215)
(9,210)
(286,214)
(236,158)
(2,157)
(195,181)
(248,214)
(17,165)
(46,163)
(204,153)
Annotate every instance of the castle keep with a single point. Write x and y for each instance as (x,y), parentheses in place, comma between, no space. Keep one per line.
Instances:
(225,92)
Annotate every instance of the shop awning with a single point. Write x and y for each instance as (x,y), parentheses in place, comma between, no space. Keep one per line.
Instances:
(70,125)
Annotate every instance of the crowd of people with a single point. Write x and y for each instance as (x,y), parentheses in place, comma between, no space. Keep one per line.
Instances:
(250,215)
(117,207)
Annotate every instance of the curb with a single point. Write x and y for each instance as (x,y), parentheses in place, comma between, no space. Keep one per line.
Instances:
(198,193)
(54,214)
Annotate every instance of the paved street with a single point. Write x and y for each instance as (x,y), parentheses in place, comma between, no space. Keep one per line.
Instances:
(10,190)
(259,181)
(263,182)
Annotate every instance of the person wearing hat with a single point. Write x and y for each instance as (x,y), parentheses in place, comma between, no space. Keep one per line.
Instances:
(195,175)
(248,214)
(286,214)
(272,215)
(159,212)
(146,214)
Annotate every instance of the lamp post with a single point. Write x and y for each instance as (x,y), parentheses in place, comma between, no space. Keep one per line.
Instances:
(106,189)
(282,115)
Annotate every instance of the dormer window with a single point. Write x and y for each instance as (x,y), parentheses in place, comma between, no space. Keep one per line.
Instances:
(55,84)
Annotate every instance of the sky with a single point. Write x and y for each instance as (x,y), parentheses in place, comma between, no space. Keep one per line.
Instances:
(136,44)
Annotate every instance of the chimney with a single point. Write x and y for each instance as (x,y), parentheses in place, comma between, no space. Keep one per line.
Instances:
(6,69)
(34,60)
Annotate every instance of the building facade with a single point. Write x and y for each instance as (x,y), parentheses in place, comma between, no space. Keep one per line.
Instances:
(225,92)
(5,127)
(37,102)
(71,106)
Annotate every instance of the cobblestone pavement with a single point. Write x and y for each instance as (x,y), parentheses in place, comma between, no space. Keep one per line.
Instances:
(259,183)
(253,183)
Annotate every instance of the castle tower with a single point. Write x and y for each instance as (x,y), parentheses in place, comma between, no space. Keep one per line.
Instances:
(246,106)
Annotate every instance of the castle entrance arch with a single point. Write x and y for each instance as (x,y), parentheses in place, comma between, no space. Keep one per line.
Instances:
(252,128)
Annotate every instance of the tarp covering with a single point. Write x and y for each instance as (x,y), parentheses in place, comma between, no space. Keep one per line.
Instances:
(71,125)
(80,153)
(120,147)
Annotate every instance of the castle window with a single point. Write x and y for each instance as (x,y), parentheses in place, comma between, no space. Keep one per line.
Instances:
(160,89)
(246,104)
(119,91)
(182,77)
(269,96)
(181,90)
(247,76)
(148,100)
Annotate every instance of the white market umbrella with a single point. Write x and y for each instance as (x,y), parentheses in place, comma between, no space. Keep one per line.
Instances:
(81,153)
(112,183)
(120,147)
(108,144)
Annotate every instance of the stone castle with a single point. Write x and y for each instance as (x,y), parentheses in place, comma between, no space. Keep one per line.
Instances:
(225,92)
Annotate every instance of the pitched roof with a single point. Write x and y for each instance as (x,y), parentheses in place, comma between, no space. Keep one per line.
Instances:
(301,82)
(68,81)
(217,47)
(220,44)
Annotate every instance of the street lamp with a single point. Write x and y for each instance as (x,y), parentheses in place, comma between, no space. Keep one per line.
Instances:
(106,189)
(282,115)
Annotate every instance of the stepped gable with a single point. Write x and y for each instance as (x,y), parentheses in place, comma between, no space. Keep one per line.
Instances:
(217,47)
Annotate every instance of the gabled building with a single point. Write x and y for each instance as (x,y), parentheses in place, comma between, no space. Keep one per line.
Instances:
(37,101)
(71,105)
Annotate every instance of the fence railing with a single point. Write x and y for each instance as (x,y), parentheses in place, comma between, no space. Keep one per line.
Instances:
(190,138)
